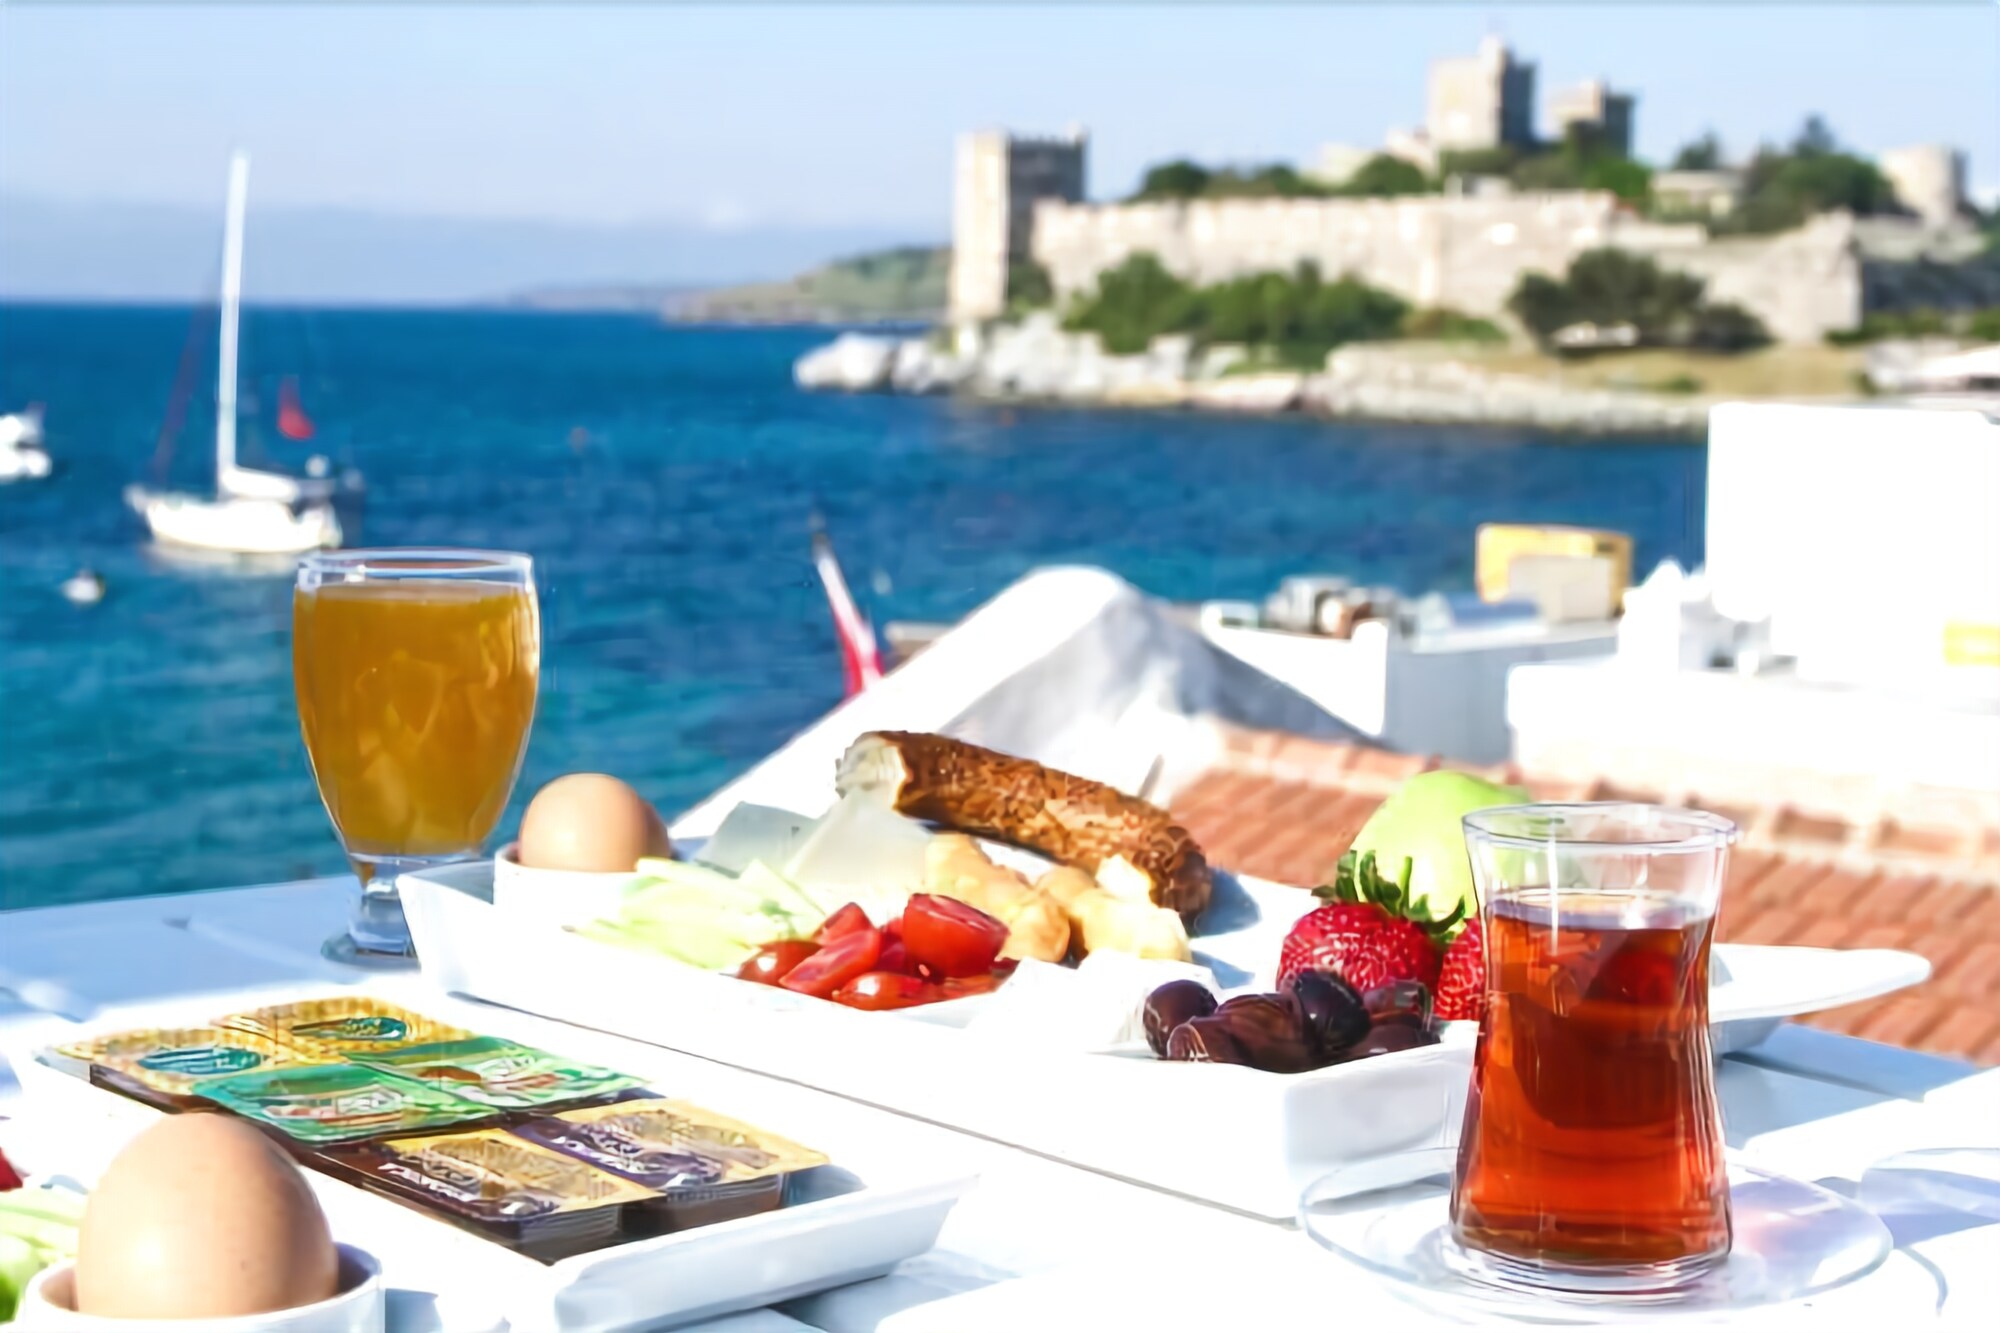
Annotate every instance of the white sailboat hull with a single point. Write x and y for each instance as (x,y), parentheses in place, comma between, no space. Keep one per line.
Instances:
(239,526)
(251,484)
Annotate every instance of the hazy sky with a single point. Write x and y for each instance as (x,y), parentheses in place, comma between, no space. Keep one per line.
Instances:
(817,116)
(822,114)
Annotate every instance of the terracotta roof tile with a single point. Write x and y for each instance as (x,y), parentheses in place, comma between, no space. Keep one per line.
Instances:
(1387,765)
(1757,925)
(1899,1020)
(1881,935)
(1969,1031)
(1925,877)
(1893,898)
(1891,836)
(1784,882)
(1975,973)
(1947,903)
(1745,869)
(1793,826)
(1557,789)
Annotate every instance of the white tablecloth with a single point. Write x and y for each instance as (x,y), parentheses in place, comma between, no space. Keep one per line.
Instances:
(1043,1244)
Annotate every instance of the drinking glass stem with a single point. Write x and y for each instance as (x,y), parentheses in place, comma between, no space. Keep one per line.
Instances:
(377,926)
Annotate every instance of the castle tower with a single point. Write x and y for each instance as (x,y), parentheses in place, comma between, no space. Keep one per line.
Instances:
(998,179)
(1592,105)
(1481,101)
(1929,181)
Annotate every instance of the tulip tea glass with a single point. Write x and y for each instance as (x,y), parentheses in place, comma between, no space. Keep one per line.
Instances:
(416,673)
(1592,1153)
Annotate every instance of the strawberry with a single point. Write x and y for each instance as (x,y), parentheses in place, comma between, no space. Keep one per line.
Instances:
(9,1178)
(1365,931)
(1326,937)
(1461,988)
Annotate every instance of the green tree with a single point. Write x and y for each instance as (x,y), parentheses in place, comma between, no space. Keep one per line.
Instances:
(1297,317)
(1726,327)
(1815,138)
(1384,175)
(1584,162)
(1134,303)
(1542,304)
(1608,287)
(1703,154)
(1629,180)
(1174,180)
(1497,161)
(1028,286)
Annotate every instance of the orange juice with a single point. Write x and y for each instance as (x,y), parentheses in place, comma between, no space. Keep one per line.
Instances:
(415,696)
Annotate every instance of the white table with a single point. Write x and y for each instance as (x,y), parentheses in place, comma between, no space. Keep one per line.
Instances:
(1041,1242)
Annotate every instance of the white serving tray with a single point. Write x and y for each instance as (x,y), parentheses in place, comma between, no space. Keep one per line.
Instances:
(883,1198)
(1234,1136)
(1132,1117)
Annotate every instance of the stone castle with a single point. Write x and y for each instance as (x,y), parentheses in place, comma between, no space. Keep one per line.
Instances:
(1018,200)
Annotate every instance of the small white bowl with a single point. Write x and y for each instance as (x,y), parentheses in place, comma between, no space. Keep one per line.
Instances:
(556,897)
(49,1304)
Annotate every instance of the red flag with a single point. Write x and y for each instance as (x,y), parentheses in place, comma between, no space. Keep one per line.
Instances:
(293,423)
(860,661)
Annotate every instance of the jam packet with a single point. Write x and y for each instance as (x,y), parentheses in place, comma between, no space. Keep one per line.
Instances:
(353,1026)
(490,1181)
(174,1061)
(502,1074)
(667,1145)
(329,1103)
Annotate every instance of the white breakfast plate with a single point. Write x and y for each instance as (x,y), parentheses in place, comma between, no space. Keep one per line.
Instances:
(883,1198)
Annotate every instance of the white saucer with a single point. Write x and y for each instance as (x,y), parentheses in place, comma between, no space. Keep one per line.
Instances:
(1793,1241)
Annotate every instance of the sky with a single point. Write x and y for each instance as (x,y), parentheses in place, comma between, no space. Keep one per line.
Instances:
(784,130)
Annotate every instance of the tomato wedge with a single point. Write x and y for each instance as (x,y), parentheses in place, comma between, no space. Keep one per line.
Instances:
(895,958)
(984,984)
(837,963)
(951,938)
(844,922)
(771,963)
(886,990)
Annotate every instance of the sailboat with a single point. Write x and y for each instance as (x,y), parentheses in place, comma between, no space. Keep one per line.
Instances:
(253,512)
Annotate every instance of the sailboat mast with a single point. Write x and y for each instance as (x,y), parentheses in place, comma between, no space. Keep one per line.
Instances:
(232,293)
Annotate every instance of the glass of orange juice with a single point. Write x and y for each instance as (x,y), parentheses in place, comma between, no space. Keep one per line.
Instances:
(416,673)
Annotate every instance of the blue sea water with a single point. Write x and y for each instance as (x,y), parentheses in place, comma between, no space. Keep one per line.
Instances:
(663,479)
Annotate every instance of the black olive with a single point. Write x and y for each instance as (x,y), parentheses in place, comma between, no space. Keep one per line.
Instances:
(1335,1016)
(1172,1005)
(1271,1031)
(1384,1038)
(1207,1041)
(1405,1001)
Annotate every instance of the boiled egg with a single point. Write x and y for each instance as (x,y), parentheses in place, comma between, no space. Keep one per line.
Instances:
(592,822)
(202,1217)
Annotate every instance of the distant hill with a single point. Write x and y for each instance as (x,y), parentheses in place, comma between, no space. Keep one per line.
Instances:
(57,249)
(902,284)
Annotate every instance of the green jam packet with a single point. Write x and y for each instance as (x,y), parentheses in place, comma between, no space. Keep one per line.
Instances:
(503,1075)
(338,1102)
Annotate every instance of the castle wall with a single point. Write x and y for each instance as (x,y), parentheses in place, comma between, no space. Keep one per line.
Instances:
(1465,253)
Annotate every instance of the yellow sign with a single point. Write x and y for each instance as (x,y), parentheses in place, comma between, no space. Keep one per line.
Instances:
(1971,645)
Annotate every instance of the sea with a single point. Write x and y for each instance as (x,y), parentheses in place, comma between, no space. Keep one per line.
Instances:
(664,479)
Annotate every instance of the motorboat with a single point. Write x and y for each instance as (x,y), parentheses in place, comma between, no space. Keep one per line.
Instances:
(22,457)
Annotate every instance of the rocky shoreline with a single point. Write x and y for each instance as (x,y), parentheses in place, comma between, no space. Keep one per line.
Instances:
(1037,361)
